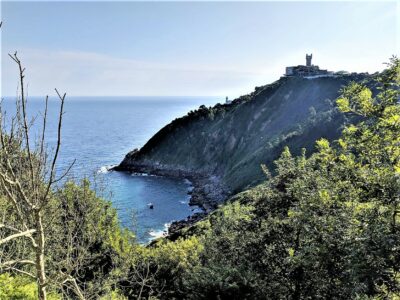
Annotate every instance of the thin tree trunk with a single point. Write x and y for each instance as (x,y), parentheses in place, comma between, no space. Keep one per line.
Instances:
(40,270)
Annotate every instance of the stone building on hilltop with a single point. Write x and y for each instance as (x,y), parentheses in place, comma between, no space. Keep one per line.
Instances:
(308,70)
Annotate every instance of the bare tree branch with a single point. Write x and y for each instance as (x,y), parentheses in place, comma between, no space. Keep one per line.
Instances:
(24,113)
(53,164)
(75,286)
(17,235)
(44,128)
(65,173)
(16,262)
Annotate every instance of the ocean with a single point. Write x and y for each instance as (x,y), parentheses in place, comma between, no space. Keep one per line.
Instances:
(97,133)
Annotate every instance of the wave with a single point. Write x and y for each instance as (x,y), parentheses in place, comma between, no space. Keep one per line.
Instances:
(143,174)
(154,234)
(197,209)
(105,169)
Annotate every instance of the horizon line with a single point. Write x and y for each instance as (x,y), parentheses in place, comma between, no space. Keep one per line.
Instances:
(119,96)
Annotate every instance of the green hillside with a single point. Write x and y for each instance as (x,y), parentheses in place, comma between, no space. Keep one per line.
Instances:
(231,141)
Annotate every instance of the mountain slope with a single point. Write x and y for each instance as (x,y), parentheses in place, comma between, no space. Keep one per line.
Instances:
(228,143)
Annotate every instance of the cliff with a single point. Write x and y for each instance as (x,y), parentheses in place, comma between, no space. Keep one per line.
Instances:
(221,148)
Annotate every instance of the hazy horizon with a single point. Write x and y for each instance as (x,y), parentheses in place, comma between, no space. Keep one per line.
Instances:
(181,97)
(178,49)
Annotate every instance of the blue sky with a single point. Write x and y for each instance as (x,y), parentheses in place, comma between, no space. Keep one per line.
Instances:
(188,48)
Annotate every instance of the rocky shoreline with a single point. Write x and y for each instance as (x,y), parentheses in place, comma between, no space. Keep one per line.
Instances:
(207,193)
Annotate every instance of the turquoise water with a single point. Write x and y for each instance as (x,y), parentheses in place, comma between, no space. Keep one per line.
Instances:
(98,132)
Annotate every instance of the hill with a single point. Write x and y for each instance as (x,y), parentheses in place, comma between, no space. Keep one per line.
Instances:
(222,148)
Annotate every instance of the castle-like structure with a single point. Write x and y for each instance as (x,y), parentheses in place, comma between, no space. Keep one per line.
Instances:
(307,70)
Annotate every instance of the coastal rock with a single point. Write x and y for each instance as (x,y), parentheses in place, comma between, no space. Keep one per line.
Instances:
(174,230)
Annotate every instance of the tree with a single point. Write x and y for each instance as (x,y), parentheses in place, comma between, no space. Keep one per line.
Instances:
(62,236)
(27,176)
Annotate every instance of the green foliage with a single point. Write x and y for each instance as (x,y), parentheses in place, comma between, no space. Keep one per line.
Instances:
(87,241)
(20,288)
(323,227)
(158,271)
(84,241)
(17,288)
(224,274)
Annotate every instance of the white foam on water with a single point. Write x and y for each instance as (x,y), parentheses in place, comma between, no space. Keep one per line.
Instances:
(196,209)
(154,234)
(144,175)
(105,169)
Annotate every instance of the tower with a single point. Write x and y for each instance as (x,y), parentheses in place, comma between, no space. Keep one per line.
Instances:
(308,60)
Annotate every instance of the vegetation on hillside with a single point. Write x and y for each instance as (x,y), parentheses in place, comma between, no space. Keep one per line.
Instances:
(324,227)
(234,139)
(321,226)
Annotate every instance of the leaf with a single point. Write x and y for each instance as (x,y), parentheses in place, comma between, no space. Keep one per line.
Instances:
(343,104)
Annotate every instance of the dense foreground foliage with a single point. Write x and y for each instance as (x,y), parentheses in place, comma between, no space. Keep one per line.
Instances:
(322,226)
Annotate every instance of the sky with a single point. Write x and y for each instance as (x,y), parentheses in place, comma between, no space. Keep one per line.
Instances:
(101,48)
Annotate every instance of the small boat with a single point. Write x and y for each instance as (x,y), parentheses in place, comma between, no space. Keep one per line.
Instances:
(150,205)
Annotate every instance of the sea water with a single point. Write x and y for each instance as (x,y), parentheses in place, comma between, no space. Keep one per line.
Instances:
(97,132)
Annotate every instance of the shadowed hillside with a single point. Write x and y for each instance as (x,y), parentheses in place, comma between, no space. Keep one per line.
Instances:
(229,142)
